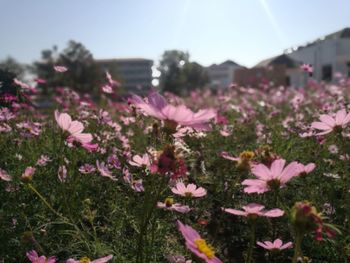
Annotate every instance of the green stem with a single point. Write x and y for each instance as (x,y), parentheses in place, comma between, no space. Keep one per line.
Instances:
(252,242)
(297,251)
(31,187)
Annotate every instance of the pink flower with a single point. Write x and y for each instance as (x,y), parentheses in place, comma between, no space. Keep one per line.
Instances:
(62,173)
(171,206)
(276,245)
(190,190)
(4,175)
(104,171)
(196,244)
(156,106)
(86,259)
(60,69)
(140,161)
(111,81)
(271,178)
(327,123)
(253,210)
(43,160)
(107,89)
(74,128)
(307,68)
(28,173)
(34,258)
(305,169)
(87,169)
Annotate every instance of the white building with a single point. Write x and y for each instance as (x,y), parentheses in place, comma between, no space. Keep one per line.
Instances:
(135,74)
(328,55)
(222,75)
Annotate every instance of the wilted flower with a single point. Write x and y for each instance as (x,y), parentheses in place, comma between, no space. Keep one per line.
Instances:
(4,175)
(43,160)
(28,174)
(87,260)
(104,171)
(87,168)
(62,173)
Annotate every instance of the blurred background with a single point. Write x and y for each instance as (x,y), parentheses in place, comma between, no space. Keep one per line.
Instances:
(175,46)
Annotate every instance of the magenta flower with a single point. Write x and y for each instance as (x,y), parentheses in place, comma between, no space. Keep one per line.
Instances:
(4,175)
(190,190)
(271,178)
(156,106)
(107,89)
(276,245)
(87,260)
(254,210)
(196,244)
(34,258)
(328,123)
(28,173)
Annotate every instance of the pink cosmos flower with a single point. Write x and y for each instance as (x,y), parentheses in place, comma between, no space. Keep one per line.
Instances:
(87,169)
(104,171)
(107,89)
(75,129)
(86,259)
(28,173)
(34,258)
(141,161)
(196,244)
(156,106)
(328,123)
(24,85)
(174,207)
(43,160)
(271,178)
(4,175)
(276,245)
(190,190)
(62,173)
(253,210)
(60,69)
(305,169)
(111,81)
(307,68)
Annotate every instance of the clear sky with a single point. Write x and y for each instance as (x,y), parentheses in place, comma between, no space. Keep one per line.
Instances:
(212,31)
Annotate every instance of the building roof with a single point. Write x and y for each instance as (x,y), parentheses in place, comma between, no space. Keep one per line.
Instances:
(226,63)
(278,60)
(124,60)
(344,33)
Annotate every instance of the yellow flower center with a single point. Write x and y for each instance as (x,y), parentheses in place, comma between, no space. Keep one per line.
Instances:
(85,260)
(169,201)
(188,194)
(246,155)
(204,248)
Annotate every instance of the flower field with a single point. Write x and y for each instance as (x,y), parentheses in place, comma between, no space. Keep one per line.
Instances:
(245,175)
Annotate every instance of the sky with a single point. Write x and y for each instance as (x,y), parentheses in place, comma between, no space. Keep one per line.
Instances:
(212,31)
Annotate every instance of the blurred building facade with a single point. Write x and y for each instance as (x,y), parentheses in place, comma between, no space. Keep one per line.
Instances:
(222,75)
(328,55)
(134,74)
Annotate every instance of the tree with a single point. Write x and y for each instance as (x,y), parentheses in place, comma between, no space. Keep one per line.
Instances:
(178,74)
(83,73)
(11,65)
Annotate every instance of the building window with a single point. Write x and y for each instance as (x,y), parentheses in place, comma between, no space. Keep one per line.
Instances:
(327,73)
